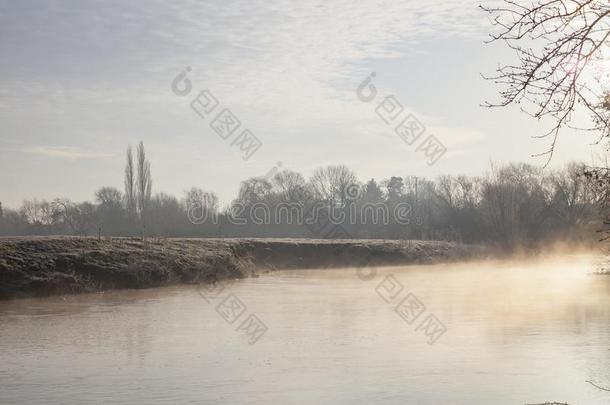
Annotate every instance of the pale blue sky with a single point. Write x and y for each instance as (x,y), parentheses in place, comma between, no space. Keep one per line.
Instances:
(80,80)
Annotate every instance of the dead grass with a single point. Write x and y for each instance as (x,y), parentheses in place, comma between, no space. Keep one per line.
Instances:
(61,265)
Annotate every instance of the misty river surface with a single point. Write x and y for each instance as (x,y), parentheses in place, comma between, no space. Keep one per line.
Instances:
(516,333)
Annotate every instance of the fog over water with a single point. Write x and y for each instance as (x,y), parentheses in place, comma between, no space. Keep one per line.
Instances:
(516,332)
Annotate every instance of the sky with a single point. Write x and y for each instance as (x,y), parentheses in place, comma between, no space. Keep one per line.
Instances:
(82,80)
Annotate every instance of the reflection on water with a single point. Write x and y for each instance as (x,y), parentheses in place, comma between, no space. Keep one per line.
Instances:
(516,333)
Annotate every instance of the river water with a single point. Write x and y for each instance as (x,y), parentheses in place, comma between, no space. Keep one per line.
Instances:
(501,333)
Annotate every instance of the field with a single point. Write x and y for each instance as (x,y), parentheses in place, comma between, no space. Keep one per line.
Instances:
(42,266)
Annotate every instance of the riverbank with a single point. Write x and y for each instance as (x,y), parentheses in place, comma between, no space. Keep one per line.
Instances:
(40,266)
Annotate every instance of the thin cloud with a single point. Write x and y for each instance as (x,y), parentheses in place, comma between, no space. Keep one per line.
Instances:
(65,153)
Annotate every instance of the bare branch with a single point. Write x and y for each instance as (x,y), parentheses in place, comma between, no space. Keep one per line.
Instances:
(554,42)
(597,386)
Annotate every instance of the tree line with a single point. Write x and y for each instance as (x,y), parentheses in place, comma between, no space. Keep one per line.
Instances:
(512,205)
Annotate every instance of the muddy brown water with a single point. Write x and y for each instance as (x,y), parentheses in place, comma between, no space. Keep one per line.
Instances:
(516,333)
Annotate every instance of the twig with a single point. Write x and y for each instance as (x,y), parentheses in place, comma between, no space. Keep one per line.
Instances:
(597,386)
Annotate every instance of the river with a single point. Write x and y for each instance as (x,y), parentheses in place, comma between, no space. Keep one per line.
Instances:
(473,333)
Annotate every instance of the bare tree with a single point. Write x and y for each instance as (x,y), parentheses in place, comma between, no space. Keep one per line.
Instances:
(288,183)
(556,42)
(37,212)
(65,211)
(330,183)
(109,210)
(202,199)
(253,190)
(571,192)
(130,185)
(109,197)
(144,181)
(80,218)
(600,181)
